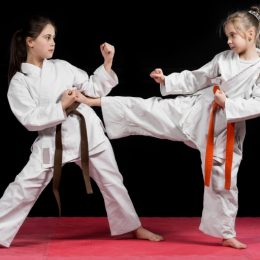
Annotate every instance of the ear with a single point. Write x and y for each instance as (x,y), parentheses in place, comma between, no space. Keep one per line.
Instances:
(29,42)
(251,33)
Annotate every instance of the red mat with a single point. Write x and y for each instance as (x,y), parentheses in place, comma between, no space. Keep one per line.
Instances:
(78,238)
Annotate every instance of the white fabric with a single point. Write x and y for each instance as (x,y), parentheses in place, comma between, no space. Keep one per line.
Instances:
(20,195)
(186,117)
(34,99)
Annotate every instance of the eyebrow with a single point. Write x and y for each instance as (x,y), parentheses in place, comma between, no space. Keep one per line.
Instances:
(232,32)
(48,34)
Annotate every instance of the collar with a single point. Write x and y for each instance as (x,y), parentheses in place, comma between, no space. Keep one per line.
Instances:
(30,69)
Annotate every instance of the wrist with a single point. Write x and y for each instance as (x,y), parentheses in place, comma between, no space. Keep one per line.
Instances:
(108,65)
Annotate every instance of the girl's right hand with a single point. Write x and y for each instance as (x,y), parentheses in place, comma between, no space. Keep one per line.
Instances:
(158,76)
(220,98)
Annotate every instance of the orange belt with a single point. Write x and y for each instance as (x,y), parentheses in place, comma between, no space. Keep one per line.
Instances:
(210,147)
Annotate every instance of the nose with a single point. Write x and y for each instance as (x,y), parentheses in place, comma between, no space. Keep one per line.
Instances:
(52,42)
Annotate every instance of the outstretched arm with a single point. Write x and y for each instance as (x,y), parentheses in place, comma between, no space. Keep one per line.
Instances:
(92,102)
(186,82)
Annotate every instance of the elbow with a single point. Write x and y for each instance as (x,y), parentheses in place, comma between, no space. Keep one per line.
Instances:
(32,128)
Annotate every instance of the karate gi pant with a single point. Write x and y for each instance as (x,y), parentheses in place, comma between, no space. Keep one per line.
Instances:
(157,117)
(20,195)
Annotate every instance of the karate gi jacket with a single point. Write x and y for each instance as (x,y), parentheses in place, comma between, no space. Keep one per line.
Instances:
(242,88)
(34,97)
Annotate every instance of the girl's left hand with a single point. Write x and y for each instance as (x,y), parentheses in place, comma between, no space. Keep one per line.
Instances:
(220,98)
(107,51)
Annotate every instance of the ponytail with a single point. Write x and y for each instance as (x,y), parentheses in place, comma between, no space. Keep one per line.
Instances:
(255,12)
(18,53)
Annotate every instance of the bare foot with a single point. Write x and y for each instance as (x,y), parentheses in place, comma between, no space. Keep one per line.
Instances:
(233,242)
(142,233)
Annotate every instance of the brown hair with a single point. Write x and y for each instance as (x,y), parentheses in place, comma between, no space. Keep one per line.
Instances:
(18,50)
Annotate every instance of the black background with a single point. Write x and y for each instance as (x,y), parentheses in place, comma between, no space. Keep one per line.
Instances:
(163,177)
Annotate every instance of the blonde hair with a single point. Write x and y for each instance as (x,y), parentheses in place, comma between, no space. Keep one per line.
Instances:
(243,20)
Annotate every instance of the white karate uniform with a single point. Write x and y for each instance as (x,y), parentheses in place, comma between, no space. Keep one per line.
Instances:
(186,119)
(34,97)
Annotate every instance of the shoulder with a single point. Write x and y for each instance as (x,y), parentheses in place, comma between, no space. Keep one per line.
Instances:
(224,57)
(17,84)
(18,77)
(59,62)
(227,54)
(61,66)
